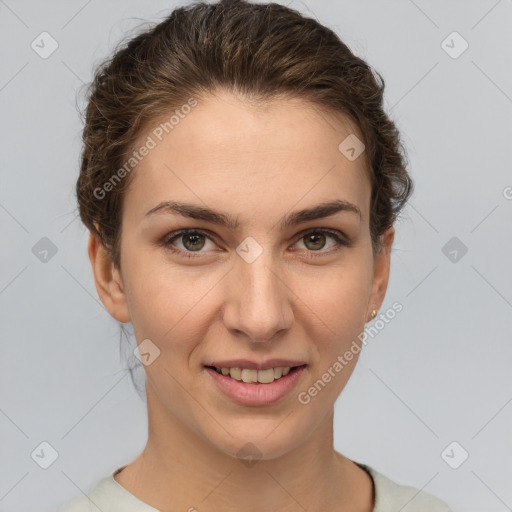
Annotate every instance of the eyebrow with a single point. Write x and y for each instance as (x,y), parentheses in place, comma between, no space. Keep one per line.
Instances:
(192,211)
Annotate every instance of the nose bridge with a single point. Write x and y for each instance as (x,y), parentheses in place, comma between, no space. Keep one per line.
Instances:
(259,303)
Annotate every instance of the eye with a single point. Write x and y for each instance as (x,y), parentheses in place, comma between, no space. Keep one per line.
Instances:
(315,240)
(193,240)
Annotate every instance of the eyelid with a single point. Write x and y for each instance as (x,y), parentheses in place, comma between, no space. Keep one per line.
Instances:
(333,232)
(175,235)
(340,238)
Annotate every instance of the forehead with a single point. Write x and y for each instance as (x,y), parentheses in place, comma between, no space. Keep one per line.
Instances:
(239,156)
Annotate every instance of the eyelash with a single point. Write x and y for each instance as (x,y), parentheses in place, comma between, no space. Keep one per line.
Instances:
(341,241)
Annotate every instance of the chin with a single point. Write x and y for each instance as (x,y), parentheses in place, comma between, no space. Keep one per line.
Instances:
(253,440)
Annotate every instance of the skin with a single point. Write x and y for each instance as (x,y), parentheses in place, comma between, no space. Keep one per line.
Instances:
(258,163)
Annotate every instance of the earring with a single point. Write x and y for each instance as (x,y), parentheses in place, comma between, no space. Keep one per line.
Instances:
(373,314)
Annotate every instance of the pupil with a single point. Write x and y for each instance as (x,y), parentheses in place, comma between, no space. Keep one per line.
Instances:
(195,238)
(316,236)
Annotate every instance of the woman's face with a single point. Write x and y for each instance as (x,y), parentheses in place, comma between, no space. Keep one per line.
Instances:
(261,290)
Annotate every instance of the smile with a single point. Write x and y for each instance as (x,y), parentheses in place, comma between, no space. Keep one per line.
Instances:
(249,376)
(250,387)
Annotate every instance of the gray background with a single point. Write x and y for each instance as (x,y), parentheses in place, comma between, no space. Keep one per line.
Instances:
(438,373)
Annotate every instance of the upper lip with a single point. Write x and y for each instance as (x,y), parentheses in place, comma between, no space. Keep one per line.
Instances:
(253,365)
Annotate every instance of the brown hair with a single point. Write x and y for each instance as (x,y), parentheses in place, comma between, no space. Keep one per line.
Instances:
(262,51)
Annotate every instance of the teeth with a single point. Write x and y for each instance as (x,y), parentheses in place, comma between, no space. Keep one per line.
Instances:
(235,373)
(249,376)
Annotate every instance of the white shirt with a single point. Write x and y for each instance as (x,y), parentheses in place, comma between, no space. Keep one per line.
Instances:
(110,496)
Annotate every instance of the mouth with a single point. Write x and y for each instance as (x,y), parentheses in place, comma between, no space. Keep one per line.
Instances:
(255,387)
(253,376)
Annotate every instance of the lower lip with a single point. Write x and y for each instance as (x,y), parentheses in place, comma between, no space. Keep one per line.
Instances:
(256,393)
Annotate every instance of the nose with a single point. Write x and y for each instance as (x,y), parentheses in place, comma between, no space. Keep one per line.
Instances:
(258,302)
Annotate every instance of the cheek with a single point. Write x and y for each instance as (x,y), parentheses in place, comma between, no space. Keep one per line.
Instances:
(169,305)
(173,305)
(337,298)
(336,309)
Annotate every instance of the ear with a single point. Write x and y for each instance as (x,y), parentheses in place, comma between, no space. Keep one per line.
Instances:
(381,266)
(108,280)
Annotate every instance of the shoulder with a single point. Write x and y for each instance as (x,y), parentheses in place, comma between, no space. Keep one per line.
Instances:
(100,498)
(78,504)
(391,496)
(107,495)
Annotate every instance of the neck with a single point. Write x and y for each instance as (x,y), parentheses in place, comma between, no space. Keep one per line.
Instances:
(181,470)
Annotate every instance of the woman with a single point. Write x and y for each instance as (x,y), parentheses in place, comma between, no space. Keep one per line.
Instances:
(240,181)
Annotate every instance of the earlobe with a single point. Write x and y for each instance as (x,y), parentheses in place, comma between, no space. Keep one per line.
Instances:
(381,270)
(108,280)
